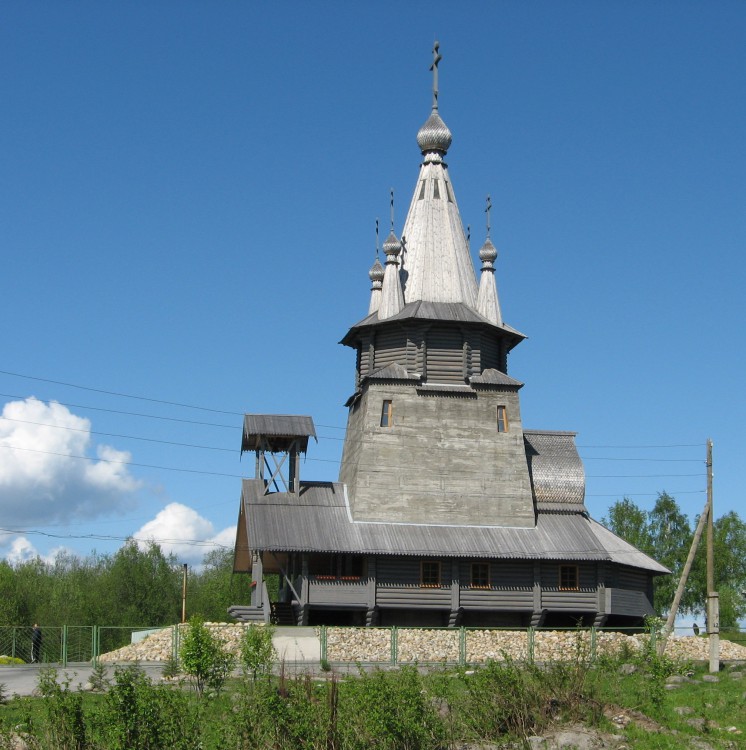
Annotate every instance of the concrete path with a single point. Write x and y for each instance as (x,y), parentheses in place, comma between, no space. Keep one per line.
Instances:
(296,644)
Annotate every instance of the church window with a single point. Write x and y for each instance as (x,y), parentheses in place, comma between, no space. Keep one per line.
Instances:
(480,575)
(422,191)
(502,418)
(387,414)
(430,573)
(568,577)
(436,190)
(449,190)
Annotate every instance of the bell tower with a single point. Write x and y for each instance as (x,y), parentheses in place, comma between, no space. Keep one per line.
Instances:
(434,433)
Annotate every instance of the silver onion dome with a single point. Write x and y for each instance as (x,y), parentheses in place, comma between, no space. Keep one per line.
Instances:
(392,246)
(376,271)
(434,135)
(488,252)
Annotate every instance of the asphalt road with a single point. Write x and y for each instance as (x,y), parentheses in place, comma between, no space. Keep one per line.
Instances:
(22,679)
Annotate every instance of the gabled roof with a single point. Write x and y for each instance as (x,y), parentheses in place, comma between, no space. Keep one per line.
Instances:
(276,431)
(318,520)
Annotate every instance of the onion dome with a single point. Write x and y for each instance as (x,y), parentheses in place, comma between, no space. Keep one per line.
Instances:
(391,246)
(376,272)
(434,135)
(488,253)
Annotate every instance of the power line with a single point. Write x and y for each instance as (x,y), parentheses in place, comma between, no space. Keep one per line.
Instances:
(128,413)
(123,463)
(119,393)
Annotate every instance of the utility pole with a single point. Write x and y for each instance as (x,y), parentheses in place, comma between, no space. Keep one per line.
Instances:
(713,602)
(183,594)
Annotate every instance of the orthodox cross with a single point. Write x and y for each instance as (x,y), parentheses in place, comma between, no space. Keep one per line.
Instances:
(376,237)
(434,67)
(392,209)
(487,211)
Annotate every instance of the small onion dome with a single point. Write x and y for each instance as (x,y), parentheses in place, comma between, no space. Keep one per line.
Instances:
(434,135)
(488,252)
(392,246)
(376,271)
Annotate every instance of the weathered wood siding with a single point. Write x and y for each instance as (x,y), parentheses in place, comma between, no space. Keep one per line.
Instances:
(584,598)
(343,593)
(390,347)
(445,356)
(511,586)
(398,585)
(626,602)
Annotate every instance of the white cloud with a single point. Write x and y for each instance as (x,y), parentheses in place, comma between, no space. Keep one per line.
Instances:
(180,530)
(20,550)
(40,483)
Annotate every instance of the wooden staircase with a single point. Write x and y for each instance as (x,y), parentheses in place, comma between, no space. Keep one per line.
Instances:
(282,614)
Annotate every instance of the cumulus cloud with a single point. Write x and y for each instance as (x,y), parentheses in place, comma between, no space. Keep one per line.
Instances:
(20,550)
(41,484)
(180,530)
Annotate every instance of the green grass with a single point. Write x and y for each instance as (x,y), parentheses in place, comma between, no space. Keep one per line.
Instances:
(495,704)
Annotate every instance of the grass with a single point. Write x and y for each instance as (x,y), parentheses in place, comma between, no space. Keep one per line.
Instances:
(499,704)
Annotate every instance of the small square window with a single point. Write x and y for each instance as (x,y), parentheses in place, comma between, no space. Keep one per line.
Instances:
(568,577)
(480,575)
(387,414)
(502,418)
(430,573)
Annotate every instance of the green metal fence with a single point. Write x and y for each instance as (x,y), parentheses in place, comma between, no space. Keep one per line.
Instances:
(72,643)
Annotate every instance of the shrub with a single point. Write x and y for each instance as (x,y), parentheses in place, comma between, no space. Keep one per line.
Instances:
(137,715)
(388,710)
(204,659)
(257,651)
(65,727)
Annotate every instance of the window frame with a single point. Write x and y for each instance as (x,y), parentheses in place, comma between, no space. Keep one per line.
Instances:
(503,425)
(429,585)
(472,576)
(387,414)
(563,584)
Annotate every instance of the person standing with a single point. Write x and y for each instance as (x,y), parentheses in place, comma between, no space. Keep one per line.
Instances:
(36,643)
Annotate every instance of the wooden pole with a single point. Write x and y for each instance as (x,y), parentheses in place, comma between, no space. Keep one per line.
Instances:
(713,603)
(668,627)
(183,594)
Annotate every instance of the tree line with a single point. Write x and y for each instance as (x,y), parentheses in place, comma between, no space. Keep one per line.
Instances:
(135,586)
(665,533)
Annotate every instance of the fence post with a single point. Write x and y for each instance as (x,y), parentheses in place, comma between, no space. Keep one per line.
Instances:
(530,637)
(462,646)
(394,645)
(94,651)
(593,643)
(175,642)
(64,645)
(13,653)
(323,644)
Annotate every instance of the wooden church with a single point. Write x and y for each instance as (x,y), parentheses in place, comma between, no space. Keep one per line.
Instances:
(447,511)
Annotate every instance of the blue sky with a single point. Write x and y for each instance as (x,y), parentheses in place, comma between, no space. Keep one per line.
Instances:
(187,215)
